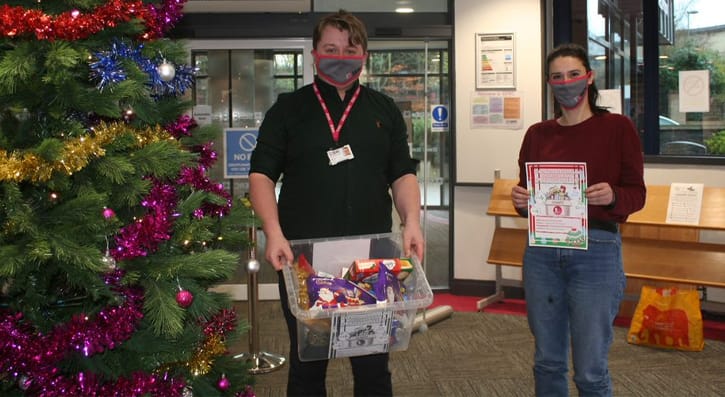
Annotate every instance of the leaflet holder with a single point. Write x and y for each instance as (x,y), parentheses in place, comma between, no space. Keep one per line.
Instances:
(261,362)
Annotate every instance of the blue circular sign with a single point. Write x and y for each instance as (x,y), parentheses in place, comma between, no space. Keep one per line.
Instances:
(248,141)
(440,113)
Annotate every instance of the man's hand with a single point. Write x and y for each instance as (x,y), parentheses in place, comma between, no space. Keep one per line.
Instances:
(413,242)
(278,251)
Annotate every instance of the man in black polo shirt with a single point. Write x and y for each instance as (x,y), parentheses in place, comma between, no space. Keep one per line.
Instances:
(340,148)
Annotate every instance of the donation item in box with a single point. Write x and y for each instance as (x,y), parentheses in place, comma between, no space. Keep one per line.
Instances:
(367,327)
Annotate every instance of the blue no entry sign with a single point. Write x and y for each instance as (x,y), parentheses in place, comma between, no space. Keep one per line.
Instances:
(238,146)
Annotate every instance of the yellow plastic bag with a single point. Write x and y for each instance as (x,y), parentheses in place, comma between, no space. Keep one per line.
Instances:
(669,318)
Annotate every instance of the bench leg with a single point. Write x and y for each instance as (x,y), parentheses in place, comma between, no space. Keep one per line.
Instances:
(497,296)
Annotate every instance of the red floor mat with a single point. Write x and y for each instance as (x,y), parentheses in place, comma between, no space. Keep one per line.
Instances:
(712,329)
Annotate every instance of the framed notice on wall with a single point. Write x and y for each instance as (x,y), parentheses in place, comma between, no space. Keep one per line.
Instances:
(495,61)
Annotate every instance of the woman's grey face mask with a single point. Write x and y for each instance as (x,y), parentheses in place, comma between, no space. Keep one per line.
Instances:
(570,93)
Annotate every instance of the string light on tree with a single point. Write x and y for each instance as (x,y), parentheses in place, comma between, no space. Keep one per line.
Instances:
(129,115)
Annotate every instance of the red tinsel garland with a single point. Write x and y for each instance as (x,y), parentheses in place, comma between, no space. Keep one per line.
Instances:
(75,25)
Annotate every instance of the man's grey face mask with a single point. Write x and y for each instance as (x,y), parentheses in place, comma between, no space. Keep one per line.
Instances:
(339,70)
(570,93)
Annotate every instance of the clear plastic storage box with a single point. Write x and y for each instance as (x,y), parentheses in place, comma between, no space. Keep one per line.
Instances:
(354,330)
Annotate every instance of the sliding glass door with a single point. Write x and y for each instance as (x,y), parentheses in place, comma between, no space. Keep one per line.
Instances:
(416,75)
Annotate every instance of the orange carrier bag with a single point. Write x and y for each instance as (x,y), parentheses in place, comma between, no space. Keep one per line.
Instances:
(669,318)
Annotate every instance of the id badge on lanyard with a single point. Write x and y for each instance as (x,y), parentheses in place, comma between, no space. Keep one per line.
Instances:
(340,154)
(343,153)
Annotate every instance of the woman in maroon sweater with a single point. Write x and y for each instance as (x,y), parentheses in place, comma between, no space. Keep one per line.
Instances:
(573,295)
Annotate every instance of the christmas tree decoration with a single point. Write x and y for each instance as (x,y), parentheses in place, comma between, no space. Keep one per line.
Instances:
(128,115)
(109,262)
(108,208)
(223,383)
(108,213)
(16,22)
(166,71)
(184,298)
(165,79)
(75,154)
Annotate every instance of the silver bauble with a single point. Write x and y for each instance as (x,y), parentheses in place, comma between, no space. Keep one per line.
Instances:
(109,262)
(253,266)
(166,71)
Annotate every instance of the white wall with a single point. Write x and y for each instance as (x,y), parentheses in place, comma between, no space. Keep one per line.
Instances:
(483,151)
(480,151)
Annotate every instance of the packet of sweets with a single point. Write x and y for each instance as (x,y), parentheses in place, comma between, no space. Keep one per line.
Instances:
(406,267)
(333,292)
(387,287)
(361,269)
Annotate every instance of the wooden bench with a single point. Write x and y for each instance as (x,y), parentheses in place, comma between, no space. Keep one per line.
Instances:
(654,252)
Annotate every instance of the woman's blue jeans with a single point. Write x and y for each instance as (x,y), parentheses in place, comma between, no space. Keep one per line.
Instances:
(573,296)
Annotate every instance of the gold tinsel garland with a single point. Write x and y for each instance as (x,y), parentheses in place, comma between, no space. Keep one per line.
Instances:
(201,363)
(76,153)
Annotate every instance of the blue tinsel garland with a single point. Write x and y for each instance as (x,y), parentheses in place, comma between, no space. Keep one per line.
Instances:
(108,70)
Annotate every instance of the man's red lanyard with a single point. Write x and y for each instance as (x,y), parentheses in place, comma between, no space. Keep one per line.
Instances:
(336,130)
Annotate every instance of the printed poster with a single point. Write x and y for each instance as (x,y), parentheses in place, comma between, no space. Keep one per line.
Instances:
(497,109)
(557,204)
(360,333)
(685,203)
(495,62)
(694,90)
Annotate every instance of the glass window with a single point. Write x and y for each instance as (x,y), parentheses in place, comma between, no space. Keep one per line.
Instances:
(690,118)
(597,14)
(692,82)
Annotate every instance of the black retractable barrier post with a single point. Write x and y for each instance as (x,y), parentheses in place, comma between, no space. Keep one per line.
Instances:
(261,362)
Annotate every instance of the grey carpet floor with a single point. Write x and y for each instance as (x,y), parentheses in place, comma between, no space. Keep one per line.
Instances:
(482,354)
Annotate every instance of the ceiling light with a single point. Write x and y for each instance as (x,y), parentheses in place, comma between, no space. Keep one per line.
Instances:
(404,10)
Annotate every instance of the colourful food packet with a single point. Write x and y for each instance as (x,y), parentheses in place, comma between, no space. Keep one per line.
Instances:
(334,292)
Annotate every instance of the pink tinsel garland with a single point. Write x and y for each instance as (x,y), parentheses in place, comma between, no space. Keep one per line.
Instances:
(143,236)
(32,358)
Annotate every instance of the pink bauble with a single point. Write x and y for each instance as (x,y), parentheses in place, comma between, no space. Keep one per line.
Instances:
(184,298)
(224,383)
(108,213)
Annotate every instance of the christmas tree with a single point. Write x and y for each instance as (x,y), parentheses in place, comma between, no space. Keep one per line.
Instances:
(111,234)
